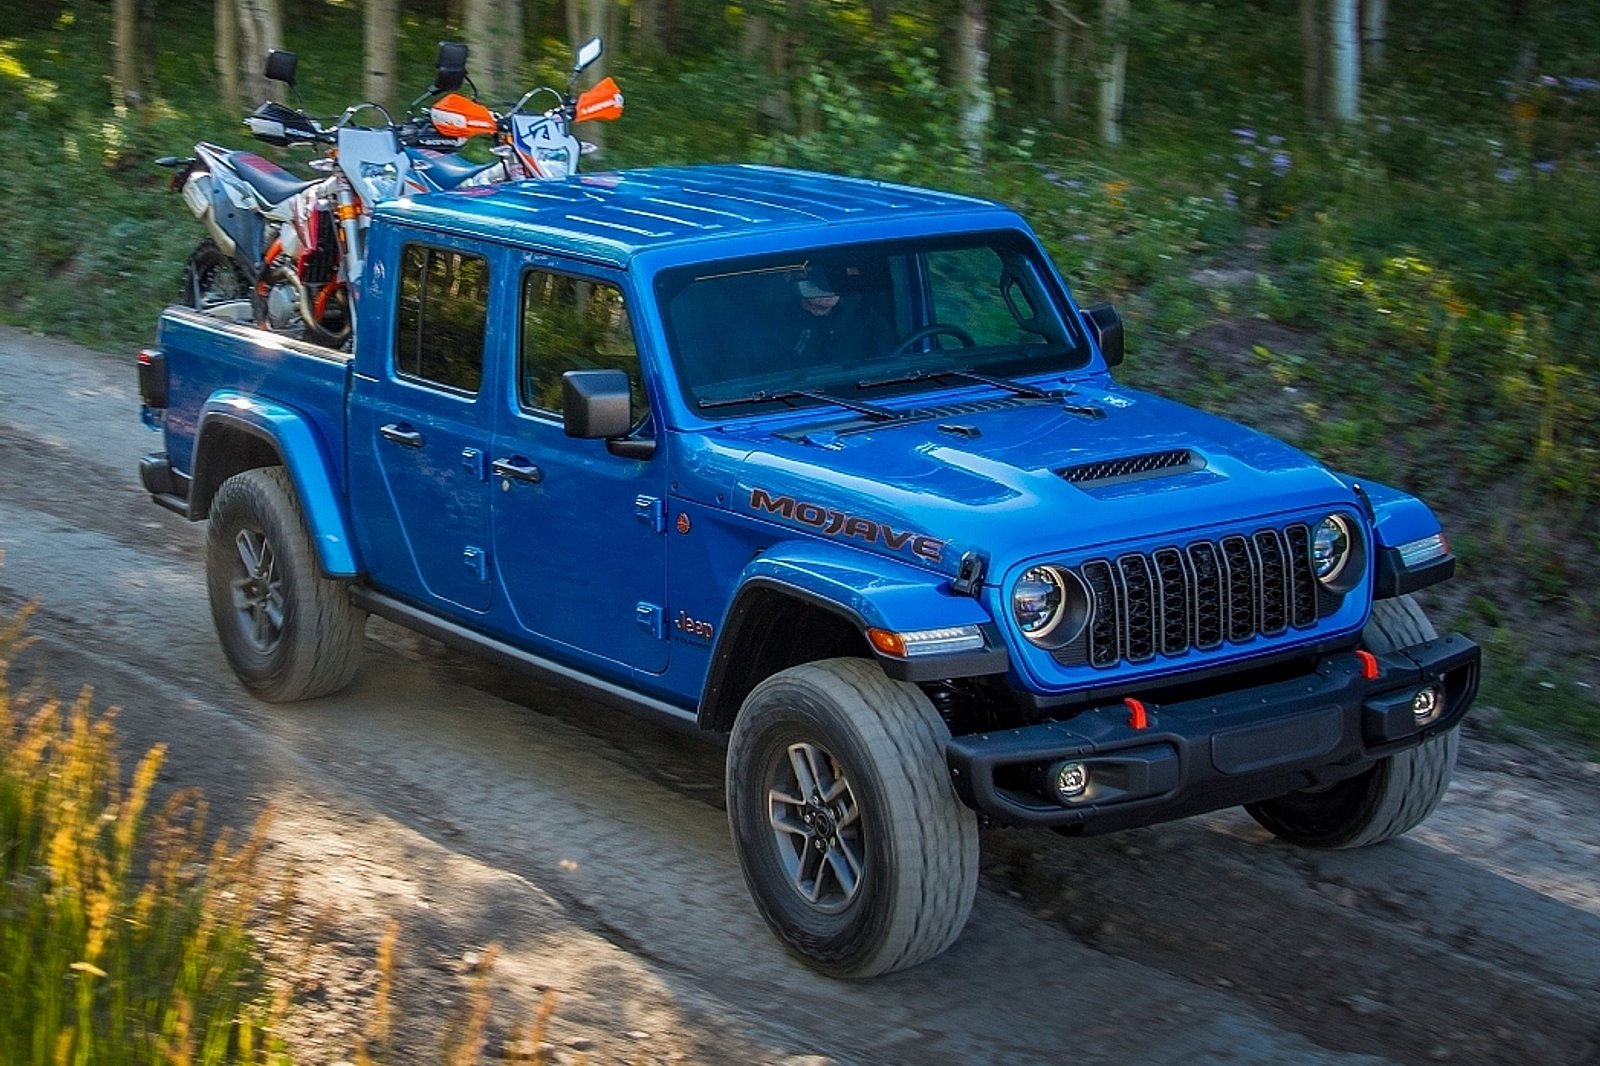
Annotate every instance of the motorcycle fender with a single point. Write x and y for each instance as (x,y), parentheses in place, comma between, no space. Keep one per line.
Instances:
(197,193)
(299,449)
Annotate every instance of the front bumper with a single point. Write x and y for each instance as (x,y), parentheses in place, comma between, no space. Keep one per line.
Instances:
(1205,754)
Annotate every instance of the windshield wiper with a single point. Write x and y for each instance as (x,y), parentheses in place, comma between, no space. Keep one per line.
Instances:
(871,410)
(967,374)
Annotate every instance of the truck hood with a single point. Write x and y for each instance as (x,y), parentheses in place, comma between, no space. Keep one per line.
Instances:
(987,474)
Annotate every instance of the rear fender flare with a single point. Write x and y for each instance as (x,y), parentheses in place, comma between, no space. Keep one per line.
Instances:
(295,442)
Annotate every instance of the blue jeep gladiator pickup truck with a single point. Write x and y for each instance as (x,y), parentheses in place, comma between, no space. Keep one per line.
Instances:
(838,470)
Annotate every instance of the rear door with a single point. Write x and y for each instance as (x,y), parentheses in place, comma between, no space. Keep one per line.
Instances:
(579,536)
(421,427)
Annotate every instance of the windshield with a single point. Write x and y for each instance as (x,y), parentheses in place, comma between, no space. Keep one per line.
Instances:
(884,318)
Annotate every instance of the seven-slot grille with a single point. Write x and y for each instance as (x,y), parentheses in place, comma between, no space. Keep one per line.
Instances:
(1197,596)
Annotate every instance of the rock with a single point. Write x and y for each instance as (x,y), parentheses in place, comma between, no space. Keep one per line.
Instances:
(580,1043)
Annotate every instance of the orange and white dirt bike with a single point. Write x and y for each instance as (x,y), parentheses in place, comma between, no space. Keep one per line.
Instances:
(538,145)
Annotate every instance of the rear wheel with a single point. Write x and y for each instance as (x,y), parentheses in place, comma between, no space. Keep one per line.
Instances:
(211,278)
(1391,798)
(856,850)
(287,631)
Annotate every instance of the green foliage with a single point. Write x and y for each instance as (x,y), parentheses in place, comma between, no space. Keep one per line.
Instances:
(122,938)
(1438,263)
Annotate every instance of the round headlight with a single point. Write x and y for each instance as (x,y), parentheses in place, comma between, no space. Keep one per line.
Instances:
(1330,548)
(1037,601)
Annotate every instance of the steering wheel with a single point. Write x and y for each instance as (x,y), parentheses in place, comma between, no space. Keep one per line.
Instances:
(935,330)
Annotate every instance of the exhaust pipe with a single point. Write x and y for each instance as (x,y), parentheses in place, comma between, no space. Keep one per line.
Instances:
(281,272)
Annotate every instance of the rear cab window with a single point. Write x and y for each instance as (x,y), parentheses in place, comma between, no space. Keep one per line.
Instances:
(442,314)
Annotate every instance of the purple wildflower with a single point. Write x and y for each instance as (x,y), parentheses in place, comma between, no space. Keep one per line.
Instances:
(1549,81)
(1081,237)
(1583,85)
(1230,198)
(1244,133)
(1545,166)
(1275,140)
(1244,160)
(1506,174)
(1280,163)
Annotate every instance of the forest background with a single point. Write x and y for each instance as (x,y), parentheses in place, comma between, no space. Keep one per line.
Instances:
(1372,230)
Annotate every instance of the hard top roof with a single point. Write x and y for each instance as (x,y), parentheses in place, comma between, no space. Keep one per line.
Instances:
(613,216)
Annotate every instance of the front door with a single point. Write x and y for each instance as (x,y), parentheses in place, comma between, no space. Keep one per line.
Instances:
(579,541)
(424,424)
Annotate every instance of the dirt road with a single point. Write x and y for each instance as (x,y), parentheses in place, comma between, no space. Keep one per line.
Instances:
(474,806)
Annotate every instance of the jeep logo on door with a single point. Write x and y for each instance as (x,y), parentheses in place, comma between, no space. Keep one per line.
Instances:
(838,524)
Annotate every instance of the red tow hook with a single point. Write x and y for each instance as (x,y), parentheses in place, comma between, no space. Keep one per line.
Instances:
(1369,665)
(1138,718)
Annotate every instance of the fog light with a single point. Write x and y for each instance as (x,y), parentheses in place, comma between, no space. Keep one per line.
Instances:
(1070,780)
(1427,704)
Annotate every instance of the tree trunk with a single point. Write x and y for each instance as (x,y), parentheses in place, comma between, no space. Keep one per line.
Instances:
(1345,37)
(225,53)
(1114,70)
(1060,66)
(972,75)
(1374,32)
(381,18)
(149,49)
(597,23)
(260,30)
(1314,55)
(879,12)
(574,20)
(648,17)
(125,53)
(494,34)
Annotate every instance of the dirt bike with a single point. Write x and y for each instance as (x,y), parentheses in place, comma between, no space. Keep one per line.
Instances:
(284,252)
(527,145)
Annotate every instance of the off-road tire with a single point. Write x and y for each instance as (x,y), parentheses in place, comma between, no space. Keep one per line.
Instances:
(1391,798)
(210,278)
(288,632)
(917,842)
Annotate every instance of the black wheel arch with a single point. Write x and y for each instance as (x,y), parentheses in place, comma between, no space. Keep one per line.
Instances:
(771,626)
(225,446)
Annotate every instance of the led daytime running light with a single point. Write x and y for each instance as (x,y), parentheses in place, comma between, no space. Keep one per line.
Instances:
(920,643)
(1425,550)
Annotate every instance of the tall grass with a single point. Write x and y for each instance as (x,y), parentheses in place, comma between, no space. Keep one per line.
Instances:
(123,936)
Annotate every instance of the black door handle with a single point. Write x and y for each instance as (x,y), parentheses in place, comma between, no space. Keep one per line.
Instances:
(518,468)
(401,433)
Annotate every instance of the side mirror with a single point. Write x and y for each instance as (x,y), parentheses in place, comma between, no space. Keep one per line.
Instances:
(588,54)
(1105,324)
(450,66)
(595,404)
(281,66)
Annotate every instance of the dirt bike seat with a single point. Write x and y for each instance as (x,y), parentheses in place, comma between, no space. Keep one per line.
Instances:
(447,170)
(266,177)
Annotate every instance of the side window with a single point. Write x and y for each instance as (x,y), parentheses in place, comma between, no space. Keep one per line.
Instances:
(572,323)
(443,305)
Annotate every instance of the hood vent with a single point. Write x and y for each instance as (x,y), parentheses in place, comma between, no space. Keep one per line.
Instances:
(1133,467)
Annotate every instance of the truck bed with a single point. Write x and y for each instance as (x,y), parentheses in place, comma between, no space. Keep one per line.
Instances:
(214,361)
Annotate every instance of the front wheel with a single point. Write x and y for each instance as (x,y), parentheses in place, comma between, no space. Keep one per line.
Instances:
(853,844)
(1392,797)
(288,632)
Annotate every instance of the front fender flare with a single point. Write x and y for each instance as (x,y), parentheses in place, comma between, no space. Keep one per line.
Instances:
(299,448)
(1400,518)
(871,592)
